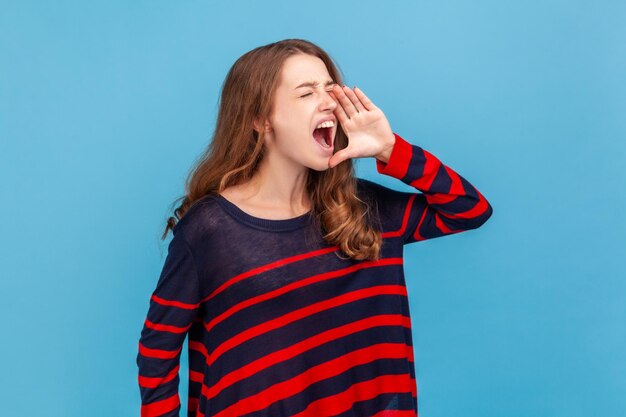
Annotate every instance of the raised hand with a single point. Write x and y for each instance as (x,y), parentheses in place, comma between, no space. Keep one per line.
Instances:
(367,128)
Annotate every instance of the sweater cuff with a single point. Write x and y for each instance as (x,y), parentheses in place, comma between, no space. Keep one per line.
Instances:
(399,159)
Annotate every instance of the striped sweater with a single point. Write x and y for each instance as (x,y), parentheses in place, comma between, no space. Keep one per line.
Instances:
(279,323)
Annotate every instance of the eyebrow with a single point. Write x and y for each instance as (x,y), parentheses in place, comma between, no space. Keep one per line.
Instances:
(314,84)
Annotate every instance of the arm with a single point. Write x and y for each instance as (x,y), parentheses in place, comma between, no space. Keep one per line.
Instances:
(448,203)
(173,307)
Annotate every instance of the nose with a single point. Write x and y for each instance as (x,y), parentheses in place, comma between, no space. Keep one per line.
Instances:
(328,102)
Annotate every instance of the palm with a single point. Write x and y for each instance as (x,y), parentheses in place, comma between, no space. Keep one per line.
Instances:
(366,126)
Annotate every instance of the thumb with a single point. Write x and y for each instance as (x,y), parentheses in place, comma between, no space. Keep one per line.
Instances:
(339,157)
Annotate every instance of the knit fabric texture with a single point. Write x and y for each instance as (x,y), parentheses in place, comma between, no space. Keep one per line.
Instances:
(279,323)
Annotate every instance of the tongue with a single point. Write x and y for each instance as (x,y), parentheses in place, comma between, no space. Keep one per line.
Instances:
(318,134)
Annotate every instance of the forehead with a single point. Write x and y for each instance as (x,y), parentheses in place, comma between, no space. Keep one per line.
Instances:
(298,69)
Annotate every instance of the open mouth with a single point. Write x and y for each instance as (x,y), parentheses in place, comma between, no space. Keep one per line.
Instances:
(323,136)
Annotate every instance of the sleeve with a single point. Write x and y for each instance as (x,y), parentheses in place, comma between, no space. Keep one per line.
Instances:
(447,204)
(173,307)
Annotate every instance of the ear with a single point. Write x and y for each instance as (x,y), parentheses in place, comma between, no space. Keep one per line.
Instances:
(266,125)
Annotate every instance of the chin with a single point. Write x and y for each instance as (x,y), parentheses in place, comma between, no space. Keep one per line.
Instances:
(319,167)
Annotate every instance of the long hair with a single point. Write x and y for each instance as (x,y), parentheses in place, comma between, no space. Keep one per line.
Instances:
(236,149)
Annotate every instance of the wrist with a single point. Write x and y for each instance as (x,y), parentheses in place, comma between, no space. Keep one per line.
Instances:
(386,153)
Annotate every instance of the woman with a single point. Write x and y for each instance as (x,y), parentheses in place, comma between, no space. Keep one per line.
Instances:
(285,270)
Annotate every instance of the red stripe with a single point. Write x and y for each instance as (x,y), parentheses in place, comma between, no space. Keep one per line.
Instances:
(479,208)
(405,220)
(299,284)
(173,303)
(431,168)
(330,405)
(158,408)
(158,353)
(270,266)
(440,198)
(299,348)
(196,376)
(192,403)
(166,327)
(399,160)
(199,347)
(410,356)
(306,311)
(154,382)
(416,233)
(395,413)
(456,187)
(361,391)
(442,226)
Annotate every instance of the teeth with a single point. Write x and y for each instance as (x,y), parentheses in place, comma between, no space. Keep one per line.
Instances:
(326,124)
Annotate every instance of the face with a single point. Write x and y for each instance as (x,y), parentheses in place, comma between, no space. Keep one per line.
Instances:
(298,109)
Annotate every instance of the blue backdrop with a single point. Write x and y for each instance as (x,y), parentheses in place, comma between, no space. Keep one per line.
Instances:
(104,106)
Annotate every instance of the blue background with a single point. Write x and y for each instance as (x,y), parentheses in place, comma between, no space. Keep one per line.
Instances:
(104,106)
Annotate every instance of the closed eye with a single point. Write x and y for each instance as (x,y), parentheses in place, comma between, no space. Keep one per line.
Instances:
(308,94)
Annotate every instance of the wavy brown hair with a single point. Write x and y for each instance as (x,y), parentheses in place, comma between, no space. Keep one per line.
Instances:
(236,149)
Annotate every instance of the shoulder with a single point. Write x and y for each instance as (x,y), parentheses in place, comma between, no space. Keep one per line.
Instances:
(377,192)
(388,204)
(366,187)
(371,189)
(371,194)
(200,221)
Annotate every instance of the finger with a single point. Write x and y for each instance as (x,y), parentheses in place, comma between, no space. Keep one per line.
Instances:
(343,155)
(338,158)
(344,101)
(367,103)
(339,112)
(354,99)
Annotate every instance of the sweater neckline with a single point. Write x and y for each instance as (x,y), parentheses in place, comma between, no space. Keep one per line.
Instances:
(261,223)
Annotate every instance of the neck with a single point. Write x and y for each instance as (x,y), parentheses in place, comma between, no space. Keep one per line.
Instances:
(280,184)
